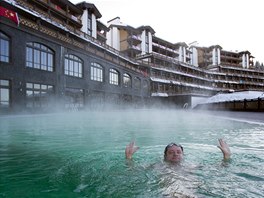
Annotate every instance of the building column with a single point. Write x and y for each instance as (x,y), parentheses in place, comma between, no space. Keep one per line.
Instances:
(243,61)
(184,54)
(94,26)
(150,42)
(214,57)
(247,59)
(218,56)
(84,21)
(143,42)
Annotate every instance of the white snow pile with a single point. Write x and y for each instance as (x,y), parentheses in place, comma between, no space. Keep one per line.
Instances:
(236,96)
(160,94)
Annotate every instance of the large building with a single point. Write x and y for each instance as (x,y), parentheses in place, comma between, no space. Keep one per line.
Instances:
(57,57)
(214,55)
(61,55)
(179,72)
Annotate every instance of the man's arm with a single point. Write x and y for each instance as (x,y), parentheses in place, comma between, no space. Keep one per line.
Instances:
(223,146)
(130,150)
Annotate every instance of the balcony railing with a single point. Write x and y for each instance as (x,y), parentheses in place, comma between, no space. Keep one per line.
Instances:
(51,5)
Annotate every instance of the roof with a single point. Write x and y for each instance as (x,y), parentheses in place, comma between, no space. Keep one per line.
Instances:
(102,26)
(147,28)
(236,96)
(91,7)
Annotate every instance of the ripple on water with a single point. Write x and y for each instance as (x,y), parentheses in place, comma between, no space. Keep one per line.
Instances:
(69,155)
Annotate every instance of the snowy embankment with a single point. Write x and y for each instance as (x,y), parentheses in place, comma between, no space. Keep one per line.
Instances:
(236,96)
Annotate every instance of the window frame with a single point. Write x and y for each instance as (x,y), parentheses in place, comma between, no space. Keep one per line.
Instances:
(73,66)
(96,72)
(40,94)
(89,24)
(4,57)
(127,83)
(114,77)
(39,56)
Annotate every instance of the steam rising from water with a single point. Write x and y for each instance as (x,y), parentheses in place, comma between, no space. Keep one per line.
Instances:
(82,154)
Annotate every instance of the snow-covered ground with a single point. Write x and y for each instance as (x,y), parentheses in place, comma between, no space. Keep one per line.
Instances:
(236,96)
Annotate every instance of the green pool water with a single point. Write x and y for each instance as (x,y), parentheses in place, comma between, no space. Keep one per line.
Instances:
(81,154)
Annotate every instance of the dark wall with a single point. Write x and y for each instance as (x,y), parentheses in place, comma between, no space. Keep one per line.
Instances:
(19,74)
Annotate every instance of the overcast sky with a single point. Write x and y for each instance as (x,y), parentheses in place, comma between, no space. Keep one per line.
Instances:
(236,25)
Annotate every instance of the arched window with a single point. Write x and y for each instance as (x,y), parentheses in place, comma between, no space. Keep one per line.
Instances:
(137,83)
(96,72)
(39,57)
(4,48)
(113,77)
(127,82)
(73,66)
(39,95)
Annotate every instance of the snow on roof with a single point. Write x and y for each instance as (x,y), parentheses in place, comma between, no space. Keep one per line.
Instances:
(160,94)
(236,96)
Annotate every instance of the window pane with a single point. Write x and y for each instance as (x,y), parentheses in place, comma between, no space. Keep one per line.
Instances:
(29,57)
(71,68)
(50,62)
(29,93)
(4,82)
(36,59)
(44,87)
(4,94)
(4,48)
(29,85)
(43,61)
(36,86)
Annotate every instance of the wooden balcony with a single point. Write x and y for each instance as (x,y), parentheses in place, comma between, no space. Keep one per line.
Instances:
(44,6)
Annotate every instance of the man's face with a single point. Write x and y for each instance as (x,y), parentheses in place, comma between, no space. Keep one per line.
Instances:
(174,154)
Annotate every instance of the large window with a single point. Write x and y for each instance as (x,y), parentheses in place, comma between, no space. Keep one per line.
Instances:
(113,77)
(38,95)
(96,72)
(4,93)
(127,80)
(39,57)
(73,66)
(4,48)
(137,83)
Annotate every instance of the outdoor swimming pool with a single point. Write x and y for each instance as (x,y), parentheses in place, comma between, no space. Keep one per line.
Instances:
(82,155)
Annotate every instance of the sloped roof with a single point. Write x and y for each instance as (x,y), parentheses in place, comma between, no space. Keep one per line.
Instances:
(91,7)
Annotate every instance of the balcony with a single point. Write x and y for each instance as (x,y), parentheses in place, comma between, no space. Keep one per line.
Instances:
(56,9)
(101,37)
(134,39)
